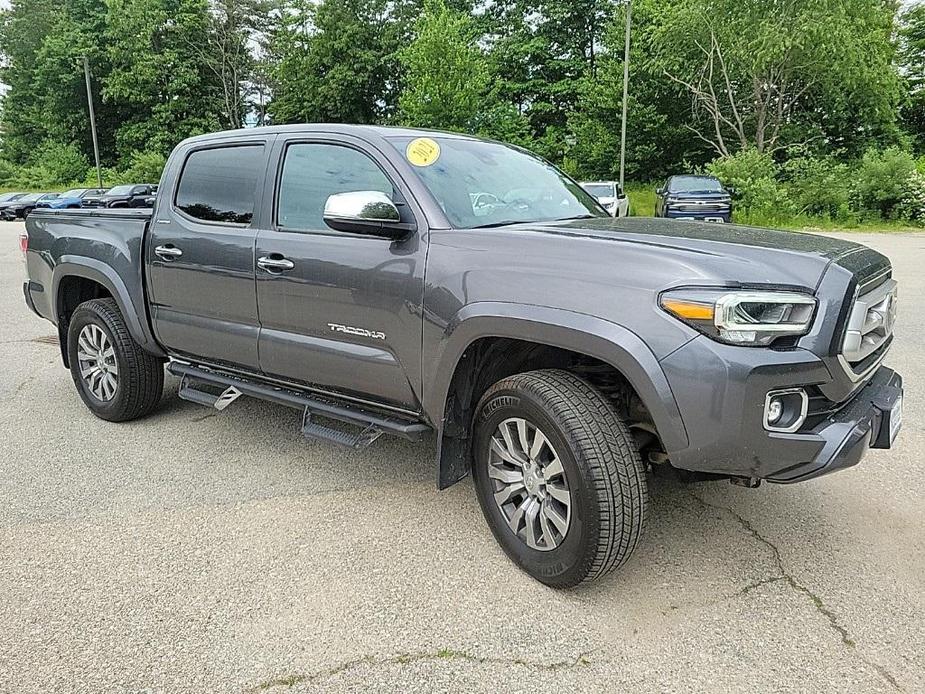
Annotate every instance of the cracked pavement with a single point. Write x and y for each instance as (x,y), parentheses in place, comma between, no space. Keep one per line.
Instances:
(197,553)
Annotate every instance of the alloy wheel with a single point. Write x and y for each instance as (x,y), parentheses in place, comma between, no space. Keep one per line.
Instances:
(529,484)
(97,359)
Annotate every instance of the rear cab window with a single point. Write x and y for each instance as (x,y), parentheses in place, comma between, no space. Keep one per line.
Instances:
(219,184)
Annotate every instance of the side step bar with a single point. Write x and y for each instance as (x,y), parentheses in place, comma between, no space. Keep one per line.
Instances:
(194,382)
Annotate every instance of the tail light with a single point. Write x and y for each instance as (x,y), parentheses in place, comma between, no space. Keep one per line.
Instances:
(24,243)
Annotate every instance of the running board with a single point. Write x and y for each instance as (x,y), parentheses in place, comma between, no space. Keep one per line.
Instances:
(194,382)
(189,392)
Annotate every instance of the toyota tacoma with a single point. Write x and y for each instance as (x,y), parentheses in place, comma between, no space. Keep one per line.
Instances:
(556,353)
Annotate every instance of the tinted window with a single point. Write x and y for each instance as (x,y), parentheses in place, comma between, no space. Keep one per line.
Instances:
(313,172)
(218,185)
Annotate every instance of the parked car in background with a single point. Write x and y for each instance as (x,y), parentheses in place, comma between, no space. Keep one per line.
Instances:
(131,195)
(9,197)
(694,197)
(610,195)
(23,205)
(70,199)
(93,199)
(148,200)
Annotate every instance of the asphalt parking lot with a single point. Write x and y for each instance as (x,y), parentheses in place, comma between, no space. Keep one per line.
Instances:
(203,552)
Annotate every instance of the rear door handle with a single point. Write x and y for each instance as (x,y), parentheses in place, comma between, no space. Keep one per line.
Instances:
(271,264)
(168,252)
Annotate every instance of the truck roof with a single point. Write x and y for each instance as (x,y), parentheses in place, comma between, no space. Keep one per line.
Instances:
(331,128)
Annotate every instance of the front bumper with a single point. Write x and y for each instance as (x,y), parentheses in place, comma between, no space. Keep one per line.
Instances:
(861,424)
(721,391)
(700,215)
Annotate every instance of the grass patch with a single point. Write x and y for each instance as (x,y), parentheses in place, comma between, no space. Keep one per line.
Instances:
(642,204)
(642,199)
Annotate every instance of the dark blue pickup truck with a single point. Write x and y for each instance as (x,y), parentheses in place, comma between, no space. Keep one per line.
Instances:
(694,197)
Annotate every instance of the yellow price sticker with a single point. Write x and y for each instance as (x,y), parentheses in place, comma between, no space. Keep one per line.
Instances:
(422,151)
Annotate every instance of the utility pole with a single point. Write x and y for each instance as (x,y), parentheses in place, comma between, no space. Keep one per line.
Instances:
(626,84)
(96,146)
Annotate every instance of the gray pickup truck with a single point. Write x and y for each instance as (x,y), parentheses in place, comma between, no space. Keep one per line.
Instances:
(390,281)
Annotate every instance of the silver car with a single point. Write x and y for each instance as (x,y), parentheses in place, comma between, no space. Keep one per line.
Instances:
(610,195)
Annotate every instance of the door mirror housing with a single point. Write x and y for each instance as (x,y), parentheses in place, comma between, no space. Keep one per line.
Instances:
(660,190)
(365,212)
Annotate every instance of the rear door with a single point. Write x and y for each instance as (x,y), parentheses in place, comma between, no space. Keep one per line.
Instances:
(201,253)
(346,316)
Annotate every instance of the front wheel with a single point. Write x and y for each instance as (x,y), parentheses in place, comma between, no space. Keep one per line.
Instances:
(558,477)
(114,376)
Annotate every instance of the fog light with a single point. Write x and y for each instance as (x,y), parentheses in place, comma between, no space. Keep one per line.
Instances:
(775,410)
(785,410)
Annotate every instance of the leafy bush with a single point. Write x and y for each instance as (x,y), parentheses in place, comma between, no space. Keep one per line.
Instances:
(912,204)
(59,163)
(819,186)
(752,176)
(883,180)
(144,167)
(8,171)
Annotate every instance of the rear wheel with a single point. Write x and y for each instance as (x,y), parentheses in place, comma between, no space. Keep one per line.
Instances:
(114,376)
(558,477)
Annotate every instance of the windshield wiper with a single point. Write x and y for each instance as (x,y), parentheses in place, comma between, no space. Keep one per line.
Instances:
(577,216)
(509,222)
(506,223)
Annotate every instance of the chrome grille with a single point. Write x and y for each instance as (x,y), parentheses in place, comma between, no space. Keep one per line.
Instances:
(700,207)
(870,323)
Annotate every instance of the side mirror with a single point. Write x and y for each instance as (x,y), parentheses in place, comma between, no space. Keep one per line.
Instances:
(365,212)
(660,190)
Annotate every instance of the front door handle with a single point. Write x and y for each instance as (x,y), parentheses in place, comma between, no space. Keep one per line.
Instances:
(168,252)
(274,264)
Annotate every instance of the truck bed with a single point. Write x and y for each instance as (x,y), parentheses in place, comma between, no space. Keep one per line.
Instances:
(106,245)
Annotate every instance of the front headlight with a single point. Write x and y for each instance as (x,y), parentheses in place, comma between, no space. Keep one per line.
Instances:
(742,317)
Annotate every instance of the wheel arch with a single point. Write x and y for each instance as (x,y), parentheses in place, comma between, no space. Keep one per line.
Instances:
(79,279)
(486,342)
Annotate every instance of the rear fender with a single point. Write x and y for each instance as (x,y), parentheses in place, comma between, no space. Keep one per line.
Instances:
(103,274)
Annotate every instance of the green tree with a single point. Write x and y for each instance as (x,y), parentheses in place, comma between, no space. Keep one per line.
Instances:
(657,142)
(766,74)
(157,76)
(42,42)
(912,59)
(445,74)
(541,51)
(336,60)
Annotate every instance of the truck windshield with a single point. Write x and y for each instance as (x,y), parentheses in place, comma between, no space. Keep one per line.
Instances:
(488,184)
(76,193)
(695,184)
(599,190)
(120,190)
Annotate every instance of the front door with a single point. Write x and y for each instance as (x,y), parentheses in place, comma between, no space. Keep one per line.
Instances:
(339,311)
(201,251)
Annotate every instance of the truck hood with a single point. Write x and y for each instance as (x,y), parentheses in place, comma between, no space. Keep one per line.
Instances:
(727,252)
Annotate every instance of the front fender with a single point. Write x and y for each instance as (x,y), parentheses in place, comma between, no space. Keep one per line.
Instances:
(578,332)
(100,272)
